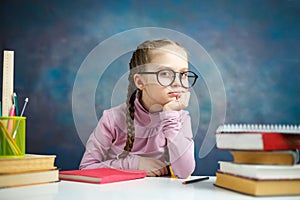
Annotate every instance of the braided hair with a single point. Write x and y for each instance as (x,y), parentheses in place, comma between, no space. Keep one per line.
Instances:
(141,56)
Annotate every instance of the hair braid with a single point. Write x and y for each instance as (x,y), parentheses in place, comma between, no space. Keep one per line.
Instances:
(131,94)
(130,114)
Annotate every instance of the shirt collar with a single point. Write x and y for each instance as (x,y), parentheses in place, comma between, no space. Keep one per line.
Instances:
(144,118)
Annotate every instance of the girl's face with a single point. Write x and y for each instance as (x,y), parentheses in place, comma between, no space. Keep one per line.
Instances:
(154,95)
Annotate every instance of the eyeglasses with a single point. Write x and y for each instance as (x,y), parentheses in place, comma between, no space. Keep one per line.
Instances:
(166,77)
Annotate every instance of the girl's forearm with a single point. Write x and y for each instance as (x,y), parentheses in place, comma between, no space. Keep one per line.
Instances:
(129,162)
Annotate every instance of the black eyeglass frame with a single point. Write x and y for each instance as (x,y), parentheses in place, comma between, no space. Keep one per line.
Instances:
(195,76)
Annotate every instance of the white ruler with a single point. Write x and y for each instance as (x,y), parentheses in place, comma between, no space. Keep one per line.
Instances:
(8,81)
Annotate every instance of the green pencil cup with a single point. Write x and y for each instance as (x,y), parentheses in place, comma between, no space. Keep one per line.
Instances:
(12,137)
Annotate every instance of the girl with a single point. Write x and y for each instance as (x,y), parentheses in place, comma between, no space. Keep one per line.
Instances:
(152,126)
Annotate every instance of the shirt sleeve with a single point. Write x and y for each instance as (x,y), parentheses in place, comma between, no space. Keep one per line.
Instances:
(98,145)
(178,132)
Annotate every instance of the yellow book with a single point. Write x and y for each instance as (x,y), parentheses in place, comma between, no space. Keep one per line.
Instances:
(28,178)
(266,157)
(258,187)
(29,163)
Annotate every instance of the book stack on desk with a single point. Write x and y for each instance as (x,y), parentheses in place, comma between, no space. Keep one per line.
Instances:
(264,159)
(29,170)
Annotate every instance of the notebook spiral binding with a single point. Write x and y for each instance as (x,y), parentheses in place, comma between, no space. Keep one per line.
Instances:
(276,128)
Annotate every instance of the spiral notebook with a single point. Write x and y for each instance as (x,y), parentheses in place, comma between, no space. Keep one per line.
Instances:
(258,137)
(266,128)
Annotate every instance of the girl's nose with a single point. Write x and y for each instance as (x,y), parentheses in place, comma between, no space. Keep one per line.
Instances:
(177,81)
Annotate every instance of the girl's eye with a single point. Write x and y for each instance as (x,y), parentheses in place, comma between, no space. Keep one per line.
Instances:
(165,73)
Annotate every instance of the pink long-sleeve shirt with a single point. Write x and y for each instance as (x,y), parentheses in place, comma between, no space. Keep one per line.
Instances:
(166,136)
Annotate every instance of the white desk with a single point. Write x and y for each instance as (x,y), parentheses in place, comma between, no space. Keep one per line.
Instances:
(148,188)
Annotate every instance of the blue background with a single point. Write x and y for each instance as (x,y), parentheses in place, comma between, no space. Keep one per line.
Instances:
(255,44)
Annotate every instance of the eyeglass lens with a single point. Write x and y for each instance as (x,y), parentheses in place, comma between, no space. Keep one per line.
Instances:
(167,77)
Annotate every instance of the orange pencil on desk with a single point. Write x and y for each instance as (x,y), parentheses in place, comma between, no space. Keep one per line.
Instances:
(172,173)
(10,122)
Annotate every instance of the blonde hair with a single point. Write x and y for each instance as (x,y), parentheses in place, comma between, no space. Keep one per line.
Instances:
(141,56)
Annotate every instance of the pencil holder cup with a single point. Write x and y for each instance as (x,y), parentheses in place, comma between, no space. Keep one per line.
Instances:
(12,137)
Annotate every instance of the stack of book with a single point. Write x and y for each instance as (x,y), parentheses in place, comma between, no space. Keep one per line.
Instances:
(29,170)
(264,159)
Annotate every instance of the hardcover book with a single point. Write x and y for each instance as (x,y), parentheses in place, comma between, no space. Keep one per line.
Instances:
(101,175)
(31,162)
(258,137)
(264,172)
(288,157)
(28,178)
(258,187)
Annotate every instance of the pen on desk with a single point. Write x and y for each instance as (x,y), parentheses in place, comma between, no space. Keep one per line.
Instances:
(195,180)
(22,112)
(16,103)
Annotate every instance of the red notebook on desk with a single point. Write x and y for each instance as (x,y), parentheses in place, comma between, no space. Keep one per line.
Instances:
(101,175)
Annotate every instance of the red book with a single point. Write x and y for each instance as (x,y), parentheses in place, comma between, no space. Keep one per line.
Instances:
(101,175)
(258,137)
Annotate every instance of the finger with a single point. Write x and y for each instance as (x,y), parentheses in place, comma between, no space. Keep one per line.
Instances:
(158,168)
(184,99)
(165,171)
(155,173)
(150,174)
(159,171)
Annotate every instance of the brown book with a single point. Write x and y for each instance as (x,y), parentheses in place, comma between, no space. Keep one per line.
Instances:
(28,178)
(258,187)
(29,163)
(266,157)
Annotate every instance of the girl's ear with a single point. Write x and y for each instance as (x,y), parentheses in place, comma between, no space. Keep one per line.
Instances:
(139,81)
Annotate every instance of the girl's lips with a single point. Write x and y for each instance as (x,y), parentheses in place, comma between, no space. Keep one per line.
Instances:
(174,94)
